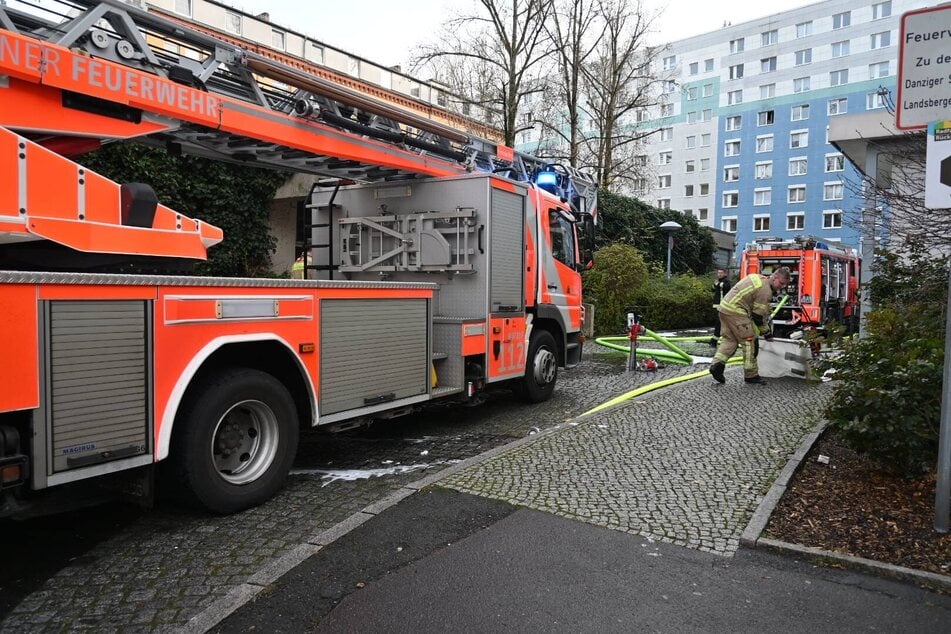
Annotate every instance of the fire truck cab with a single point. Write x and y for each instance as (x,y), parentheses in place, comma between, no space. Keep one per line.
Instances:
(823,289)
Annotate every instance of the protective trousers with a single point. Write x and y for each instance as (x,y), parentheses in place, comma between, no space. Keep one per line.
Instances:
(735,331)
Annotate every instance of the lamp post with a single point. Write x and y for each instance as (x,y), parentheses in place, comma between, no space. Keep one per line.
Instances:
(670,227)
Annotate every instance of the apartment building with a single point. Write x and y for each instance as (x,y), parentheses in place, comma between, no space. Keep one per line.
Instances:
(741,142)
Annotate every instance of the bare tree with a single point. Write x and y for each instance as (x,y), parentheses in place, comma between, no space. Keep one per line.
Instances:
(575,30)
(893,196)
(618,82)
(490,56)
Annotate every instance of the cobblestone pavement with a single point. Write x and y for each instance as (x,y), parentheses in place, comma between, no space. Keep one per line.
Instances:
(686,465)
(120,569)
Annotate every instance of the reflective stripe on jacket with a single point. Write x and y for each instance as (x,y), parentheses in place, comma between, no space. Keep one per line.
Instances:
(750,296)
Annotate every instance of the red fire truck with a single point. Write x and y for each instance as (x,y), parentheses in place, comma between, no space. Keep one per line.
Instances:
(446,265)
(824,287)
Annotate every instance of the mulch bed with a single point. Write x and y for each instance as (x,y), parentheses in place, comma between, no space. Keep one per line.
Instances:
(852,506)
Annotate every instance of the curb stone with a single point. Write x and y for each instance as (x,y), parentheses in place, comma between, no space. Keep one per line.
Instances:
(752,536)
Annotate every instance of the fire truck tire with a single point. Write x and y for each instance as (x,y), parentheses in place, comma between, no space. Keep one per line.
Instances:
(541,368)
(234,441)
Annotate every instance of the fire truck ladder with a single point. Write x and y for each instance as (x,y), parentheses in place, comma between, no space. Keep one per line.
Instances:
(268,113)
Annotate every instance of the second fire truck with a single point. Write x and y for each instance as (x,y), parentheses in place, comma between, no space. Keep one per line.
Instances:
(824,287)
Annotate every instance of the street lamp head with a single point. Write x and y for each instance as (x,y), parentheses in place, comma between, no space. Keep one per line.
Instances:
(671,226)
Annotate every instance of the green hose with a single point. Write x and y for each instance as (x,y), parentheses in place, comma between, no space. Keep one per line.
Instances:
(664,342)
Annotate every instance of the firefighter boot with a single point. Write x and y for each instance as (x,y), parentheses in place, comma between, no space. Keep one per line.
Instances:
(716,369)
(755,380)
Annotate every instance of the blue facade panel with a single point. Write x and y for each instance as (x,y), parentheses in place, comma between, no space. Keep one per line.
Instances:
(819,206)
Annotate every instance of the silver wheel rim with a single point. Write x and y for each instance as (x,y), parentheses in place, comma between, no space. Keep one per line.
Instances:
(544,366)
(245,442)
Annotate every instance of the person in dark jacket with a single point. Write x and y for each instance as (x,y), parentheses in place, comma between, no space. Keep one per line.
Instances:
(720,288)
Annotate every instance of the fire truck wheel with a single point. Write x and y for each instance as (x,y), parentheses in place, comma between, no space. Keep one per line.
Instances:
(541,368)
(234,441)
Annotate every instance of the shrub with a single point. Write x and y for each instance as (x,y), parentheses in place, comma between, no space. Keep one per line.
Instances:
(887,398)
(232,197)
(684,301)
(611,285)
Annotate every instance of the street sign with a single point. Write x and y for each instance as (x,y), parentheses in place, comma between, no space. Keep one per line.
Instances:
(924,68)
(938,166)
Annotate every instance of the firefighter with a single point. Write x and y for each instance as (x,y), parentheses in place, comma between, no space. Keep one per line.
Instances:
(720,288)
(743,315)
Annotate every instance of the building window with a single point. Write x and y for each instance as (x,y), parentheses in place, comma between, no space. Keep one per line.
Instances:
(769,37)
(798,166)
(799,113)
(664,158)
(694,68)
(692,116)
(835,162)
(183,7)
(736,71)
(233,22)
(764,143)
(796,194)
(705,140)
(767,65)
(666,134)
(762,196)
(670,86)
(733,123)
(874,100)
(839,77)
(877,71)
(760,223)
(692,93)
(704,189)
(767,91)
(666,109)
(691,141)
(708,65)
(841,20)
(731,148)
(833,191)
(688,191)
(728,223)
(804,29)
(687,212)
(704,165)
(670,62)
(642,115)
(703,213)
(277,39)
(795,222)
(737,45)
(840,49)
(881,40)
(764,170)
(640,160)
(881,10)
(690,167)
(800,84)
(663,181)
(832,219)
(663,203)
(731,173)
(799,138)
(838,106)
(731,199)
(734,97)
(804,57)
(316,54)
(708,90)
(766,117)
(706,114)
(640,185)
